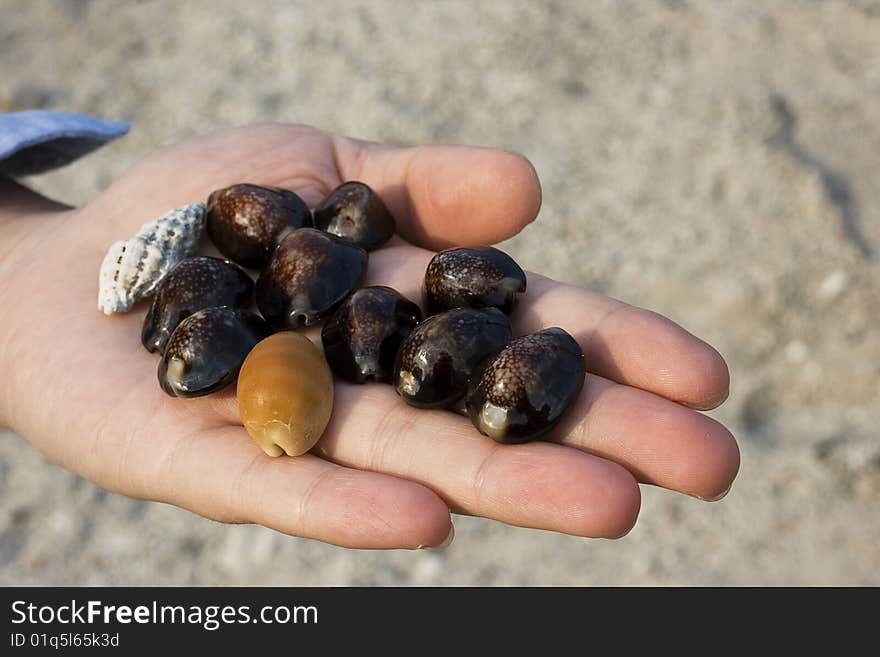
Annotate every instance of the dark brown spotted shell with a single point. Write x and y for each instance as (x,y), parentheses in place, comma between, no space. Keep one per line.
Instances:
(522,392)
(308,276)
(354,212)
(246,221)
(207,349)
(436,360)
(477,277)
(362,337)
(193,284)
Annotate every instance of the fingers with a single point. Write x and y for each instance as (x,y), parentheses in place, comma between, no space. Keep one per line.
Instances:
(447,195)
(539,484)
(536,485)
(660,442)
(439,195)
(628,345)
(304,496)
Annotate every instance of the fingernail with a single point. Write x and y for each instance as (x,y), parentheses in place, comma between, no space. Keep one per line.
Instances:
(617,538)
(446,541)
(720,496)
(714,403)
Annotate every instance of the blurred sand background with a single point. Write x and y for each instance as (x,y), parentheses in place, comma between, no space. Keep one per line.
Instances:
(718,162)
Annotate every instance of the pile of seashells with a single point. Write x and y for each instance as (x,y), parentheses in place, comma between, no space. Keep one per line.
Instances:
(309,266)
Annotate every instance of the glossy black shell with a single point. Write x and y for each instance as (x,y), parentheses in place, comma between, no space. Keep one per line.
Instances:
(477,277)
(435,362)
(193,284)
(522,392)
(362,337)
(354,212)
(246,221)
(207,349)
(309,275)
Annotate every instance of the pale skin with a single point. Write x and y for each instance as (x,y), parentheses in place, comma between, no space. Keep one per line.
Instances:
(81,389)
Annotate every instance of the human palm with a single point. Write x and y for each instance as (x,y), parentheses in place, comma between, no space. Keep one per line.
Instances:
(80,387)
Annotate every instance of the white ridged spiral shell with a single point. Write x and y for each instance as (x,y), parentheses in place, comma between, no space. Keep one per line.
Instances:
(133,268)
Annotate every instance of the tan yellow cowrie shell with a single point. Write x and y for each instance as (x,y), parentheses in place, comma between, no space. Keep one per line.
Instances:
(285,394)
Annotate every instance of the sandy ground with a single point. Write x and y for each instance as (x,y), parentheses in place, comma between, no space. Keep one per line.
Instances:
(716,162)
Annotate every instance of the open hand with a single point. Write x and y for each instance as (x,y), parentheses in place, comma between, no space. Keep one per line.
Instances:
(81,388)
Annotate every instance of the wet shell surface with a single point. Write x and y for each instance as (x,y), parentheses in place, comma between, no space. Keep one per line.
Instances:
(478,277)
(133,267)
(362,337)
(522,392)
(309,275)
(245,221)
(206,350)
(285,394)
(193,284)
(354,212)
(435,362)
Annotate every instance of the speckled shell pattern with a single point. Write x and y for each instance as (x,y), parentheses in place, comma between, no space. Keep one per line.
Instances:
(462,357)
(436,360)
(362,337)
(476,277)
(354,212)
(207,349)
(246,221)
(132,268)
(522,392)
(193,284)
(309,275)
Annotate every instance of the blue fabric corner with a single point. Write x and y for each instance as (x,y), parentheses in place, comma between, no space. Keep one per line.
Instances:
(35,141)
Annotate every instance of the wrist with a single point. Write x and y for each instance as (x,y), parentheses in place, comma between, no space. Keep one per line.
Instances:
(24,218)
(20,211)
